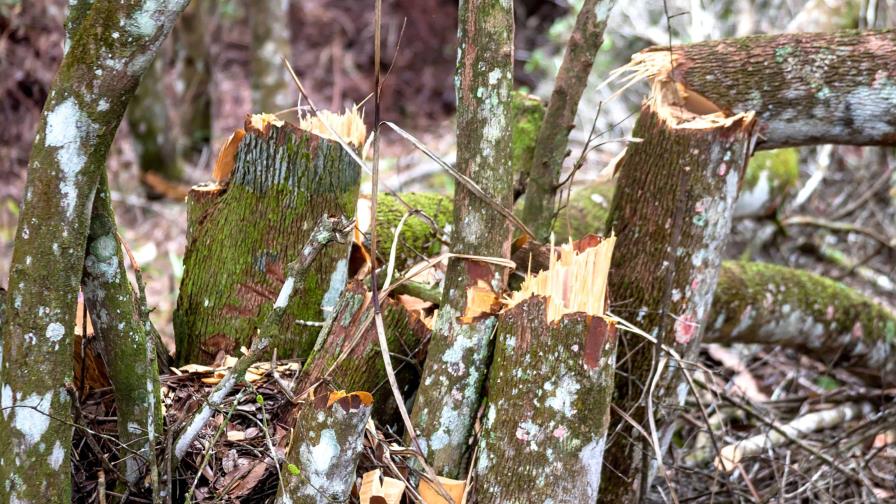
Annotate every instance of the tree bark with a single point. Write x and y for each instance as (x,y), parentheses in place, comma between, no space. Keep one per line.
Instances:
(283,179)
(550,149)
(151,129)
(272,90)
(128,346)
(449,393)
(194,79)
(775,305)
(549,392)
(672,214)
(96,80)
(806,88)
(348,344)
(325,447)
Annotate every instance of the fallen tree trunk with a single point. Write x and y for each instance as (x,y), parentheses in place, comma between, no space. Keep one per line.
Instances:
(97,78)
(672,214)
(325,447)
(806,88)
(283,178)
(450,389)
(549,390)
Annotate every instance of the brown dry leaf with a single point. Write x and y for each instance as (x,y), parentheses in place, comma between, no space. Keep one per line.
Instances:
(247,484)
(227,157)
(455,489)
(885,438)
(388,491)
(234,436)
(195,368)
(743,379)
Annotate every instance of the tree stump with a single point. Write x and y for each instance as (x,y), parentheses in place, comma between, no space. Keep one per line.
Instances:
(283,180)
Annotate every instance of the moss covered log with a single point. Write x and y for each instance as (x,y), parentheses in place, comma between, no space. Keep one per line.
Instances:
(549,391)
(284,179)
(272,90)
(350,359)
(450,390)
(550,149)
(806,88)
(127,344)
(672,214)
(776,305)
(110,46)
(325,447)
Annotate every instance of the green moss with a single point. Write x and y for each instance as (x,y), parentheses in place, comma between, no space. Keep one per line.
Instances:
(780,165)
(418,239)
(527,112)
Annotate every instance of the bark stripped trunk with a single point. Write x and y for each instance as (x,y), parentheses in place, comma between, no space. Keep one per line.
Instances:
(559,120)
(325,447)
(770,304)
(450,389)
(549,393)
(806,88)
(672,213)
(284,178)
(127,343)
(97,78)
(272,90)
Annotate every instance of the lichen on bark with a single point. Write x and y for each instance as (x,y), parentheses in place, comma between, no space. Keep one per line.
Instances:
(96,80)
(449,393)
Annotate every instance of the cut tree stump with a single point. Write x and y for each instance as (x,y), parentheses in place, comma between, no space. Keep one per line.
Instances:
(672,213)
(550,386)
(244,229)
(325,448)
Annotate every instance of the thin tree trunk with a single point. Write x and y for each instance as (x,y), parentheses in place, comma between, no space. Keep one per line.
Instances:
(450,390)
(191,37)
(325,448)
(272,90)
(127,343)
(97,78)
(284,178)
(151,129)
(672,213)
(806,88)
(549,393)
(550,149)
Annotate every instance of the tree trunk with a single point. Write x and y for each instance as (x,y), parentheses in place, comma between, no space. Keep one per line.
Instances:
(151,128)
(96,80)
(194,79)
(272,90)
(347,353)
(775,305)
(325,448)
(672,213)
(284,178)
(549,393)
(806,88)
(450,390)
(550,149)
(128,347)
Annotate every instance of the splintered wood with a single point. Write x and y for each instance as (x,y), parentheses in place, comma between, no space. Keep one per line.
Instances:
(576,281)
(349,125)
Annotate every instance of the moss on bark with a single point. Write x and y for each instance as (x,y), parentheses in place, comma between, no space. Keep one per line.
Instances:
(418,240)
(110,47)
(283,181)
(545,423)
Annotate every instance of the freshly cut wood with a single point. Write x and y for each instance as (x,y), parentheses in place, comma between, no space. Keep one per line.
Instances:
(386,490)
(550,385)
(731,455)
(805,88)
(430,494)
(672,213)
(242,231)
(325,447)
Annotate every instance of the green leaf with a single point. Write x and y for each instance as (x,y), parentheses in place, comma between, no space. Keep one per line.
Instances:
(259,399)
(827,383)
(293,469)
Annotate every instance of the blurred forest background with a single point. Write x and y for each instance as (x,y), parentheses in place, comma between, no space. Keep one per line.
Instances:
(200,89)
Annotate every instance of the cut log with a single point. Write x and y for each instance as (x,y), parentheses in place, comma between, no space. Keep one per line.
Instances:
(450,389)
(325,447)
(672,213)
(241,233)
(347,351)
(550,386)
(806,88)
(775,305)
